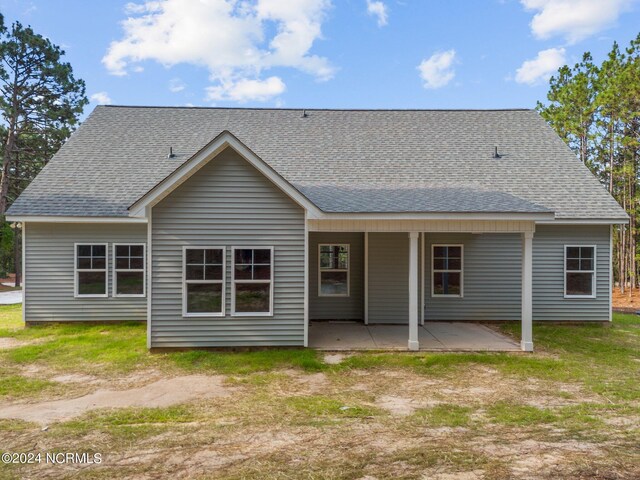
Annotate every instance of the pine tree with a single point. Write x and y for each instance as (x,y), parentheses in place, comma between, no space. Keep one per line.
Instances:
(40,102)
(596,110)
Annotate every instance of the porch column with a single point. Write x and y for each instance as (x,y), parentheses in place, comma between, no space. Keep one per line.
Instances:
(526,342)
(413,291)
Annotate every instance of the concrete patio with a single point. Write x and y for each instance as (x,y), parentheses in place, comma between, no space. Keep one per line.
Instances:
(433,336)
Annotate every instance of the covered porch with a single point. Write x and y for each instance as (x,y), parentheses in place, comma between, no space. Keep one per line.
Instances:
(391,298)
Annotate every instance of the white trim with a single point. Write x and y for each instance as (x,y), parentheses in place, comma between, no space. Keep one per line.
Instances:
(577,221)
(67,219)
(221,282)
(24,273)
(76,270)
(233,282)
(432,216)
(197,161)
(114,278)
(149,214)
(348,270)
(610,273)
(526,337)
(432,226)
(461,271)
(306,281)
(592,272)
(366,278)
(539,218)
(414,342)
(422,278)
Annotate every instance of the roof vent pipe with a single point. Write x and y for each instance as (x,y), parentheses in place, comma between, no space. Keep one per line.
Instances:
(304,114)
(496,154)
(171,154)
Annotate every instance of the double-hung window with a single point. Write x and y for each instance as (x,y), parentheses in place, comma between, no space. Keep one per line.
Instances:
(579,271)
(129,270)
(333,270)
(204,277)
(252,283)
(90,269)
(447,270)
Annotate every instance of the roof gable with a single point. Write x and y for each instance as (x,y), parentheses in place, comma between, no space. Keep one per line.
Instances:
(206,154)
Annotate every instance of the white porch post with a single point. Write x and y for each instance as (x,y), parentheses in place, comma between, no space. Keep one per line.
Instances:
(366,278)
(526,342)
(413,291)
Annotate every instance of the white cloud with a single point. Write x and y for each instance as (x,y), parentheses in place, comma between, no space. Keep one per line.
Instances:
(134,8)
(437,70)
(101,98)
(245,90)
(575,20)
(542,67)
(235,40)
(379,10)
(176,85)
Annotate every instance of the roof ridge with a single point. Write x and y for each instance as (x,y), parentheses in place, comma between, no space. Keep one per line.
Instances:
(325,109)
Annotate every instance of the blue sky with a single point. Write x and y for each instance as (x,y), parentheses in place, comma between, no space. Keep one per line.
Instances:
(323,53)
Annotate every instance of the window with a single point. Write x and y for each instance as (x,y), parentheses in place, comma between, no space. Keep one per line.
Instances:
(446,267)
(129,270)
(333,270)
(91,270)
(579,271)
(203,288)
(252,281)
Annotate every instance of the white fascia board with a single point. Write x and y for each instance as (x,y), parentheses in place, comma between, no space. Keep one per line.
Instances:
(200,159)
(435,216)
(67,219)
(585,221)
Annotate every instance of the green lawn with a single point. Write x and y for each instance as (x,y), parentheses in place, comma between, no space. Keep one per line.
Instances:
(569,410)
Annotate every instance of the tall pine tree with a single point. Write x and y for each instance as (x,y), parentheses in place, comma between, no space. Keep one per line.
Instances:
(596,110)
(40,103)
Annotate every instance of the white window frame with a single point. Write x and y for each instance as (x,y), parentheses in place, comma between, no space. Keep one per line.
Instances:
(77,270)
(593,272)
(223,282)
(114,279)
(461,271)
(233,282)
(321,270)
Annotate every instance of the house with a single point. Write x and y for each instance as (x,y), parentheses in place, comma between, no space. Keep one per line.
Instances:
(237,227)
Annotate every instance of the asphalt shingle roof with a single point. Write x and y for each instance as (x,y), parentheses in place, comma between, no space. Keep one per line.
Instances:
(342,160)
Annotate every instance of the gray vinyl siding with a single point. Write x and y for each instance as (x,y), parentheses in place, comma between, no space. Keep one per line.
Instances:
(548,273)
(388,277)
(337,308)
(49,276)
(492,271)
(227,203)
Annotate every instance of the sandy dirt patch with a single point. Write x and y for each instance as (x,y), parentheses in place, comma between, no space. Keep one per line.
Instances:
(399,405)
(8,342)
(162,393)
(76,378)
(473,475)
(335,358)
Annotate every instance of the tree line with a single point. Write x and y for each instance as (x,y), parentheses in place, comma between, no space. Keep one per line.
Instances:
(596,111)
